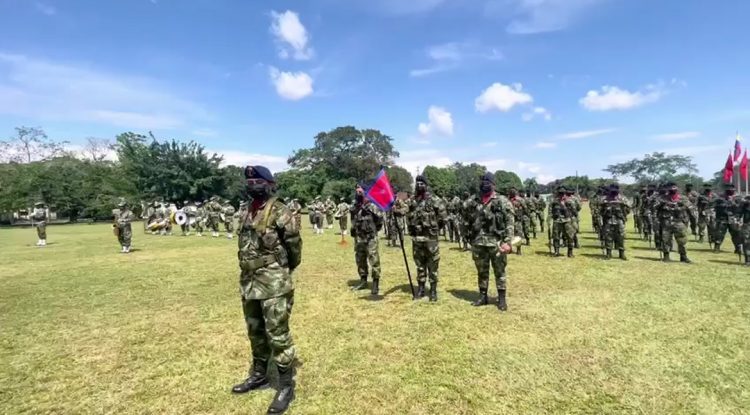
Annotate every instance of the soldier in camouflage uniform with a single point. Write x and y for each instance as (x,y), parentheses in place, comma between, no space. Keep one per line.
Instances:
(229,212)
(654,202)
(366,222)
(426,215)
(647,217)
(270,249)
(706,214)
(318,216)
(330,206)
(614,212)
(192,215)
(200,218)
(594,206)
(743,213)
(395,221)
(636,207)
(491,232)
(673,213)
(296,209)
(531,213)
(453,209)
(214,209)
(541,207)
(692,197)
(342,214)
(123,218)
(467,213)
(576,199)
(520,223)
(39,220)
(727,219)
(562,213)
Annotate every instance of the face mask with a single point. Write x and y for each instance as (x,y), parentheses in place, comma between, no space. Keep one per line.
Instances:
(513,193)
(730,192)
(485,187)
(360,197)
(672,192)
(421,187)
(257,190)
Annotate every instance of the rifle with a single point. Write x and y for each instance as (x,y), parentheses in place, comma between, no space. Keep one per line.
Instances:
(406,261)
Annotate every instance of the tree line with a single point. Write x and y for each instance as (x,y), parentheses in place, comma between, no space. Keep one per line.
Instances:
(87,184)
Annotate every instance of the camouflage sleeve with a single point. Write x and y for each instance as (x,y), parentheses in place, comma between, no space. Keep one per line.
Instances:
(441,212)
(627,207)
(377,217)
(287,228)
(506,209)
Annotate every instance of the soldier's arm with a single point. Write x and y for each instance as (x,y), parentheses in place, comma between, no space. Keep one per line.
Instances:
(287,227)
(506,209)
(442,213)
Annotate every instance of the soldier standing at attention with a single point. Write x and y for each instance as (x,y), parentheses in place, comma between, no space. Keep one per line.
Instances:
(425,217)
(228,211)
(270,249)
(706,214)
(467,213)
(400,209)
(185,227)
(576,220)
(214,215)
(492,229)
(541,206)
(39,216)
(519,209)
(366,223)
(122,222)
(296,209)
(342,214)
(614,209)
(330,207)
(200,218)
(673,213)
(653,206)
(692,197)
(743,212)
(531,204)
(726,219)
(561,219)
(636,204)
(594,206)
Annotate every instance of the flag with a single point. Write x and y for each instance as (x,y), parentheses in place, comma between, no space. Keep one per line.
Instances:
(737,148)
(381,192)
(743,167)
(729,169)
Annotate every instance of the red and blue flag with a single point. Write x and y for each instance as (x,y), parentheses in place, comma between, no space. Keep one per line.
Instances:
(381,192)
(737,148)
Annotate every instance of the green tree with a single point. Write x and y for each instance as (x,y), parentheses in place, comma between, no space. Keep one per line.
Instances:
(442,180)
(504,180)
(653,167)
(530,184)
(467,177)
(401,179)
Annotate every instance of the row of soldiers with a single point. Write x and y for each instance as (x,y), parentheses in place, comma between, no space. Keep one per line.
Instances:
(328,211)
(210,214)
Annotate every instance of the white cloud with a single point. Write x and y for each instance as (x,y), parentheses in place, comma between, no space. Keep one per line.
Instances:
(538,16)
(529,167)
(545,178)
(241,158)
(45,8)
(80,152)
(291,36)
(676,136)
(492,165)
(613,98)
(44,90)
(694,150)
(440,122)
(537,112)
(545,145)
(451,55)
(584,134)
(291,85)
(502,97)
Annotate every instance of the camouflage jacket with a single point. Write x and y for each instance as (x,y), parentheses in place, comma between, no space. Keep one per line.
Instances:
(330,206)
(725,208)
(492,222)
(342,209)
(674,209)
(400,208)
(124,217)
(595,204)
(228,211)
(270,248)
(743,213)
(214,209)
(652,204)
(519,208)
(562,210)
(295,207)
(615,210)
(705,205)
(366,221)
(190,210)
(692,197)
(530,206)
(541,205)
(39,216)
(425,218)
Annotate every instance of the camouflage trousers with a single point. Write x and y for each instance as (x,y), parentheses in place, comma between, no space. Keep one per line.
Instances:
(298,220)
(41,230)
(366,252)
(213,223)
(647,227)
(746,240)
(125,235)
(343,223)
(185,228)
(532,223)
(563,231)
(329,219)
(673,230)
(694,222)
(198,225)
(526,227)
(392,231)
(704,227)
(596,221)
(267,323)
(229,225)
(540,217)
(733,227)
(519,228)
(614,235)
(317,220)
(656,229)
(638,221)
(427,257)
(484,257)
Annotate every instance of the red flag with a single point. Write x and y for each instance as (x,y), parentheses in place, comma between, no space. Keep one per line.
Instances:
(381,192)
(729,169)
(737,148)
(743,167)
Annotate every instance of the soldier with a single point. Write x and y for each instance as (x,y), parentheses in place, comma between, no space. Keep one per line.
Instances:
(561,219)
(531,206)
(654,203)
(296,209)
(541,206)
(706,214)
(743,212)
(399,211)
(692,197)
(673,213)
(200,218)
(342,214)
(727,219)
(122,222)
(270,249)
(453,221)
(491,233)
(614,209)
(318,208)
(636,205)
(366,222)
(467,212)
(185,227)
(576,220)
(151,214)
(330,207)
(39,216)
(191,210)
(214,210)
(425,216)
(229,212)
(519,209)
(594,206)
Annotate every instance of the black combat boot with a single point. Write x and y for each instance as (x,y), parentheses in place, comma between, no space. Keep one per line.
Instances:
(622,255)
(683,256)
(256,380)
(700,239)
(717,248)
(420,290)
(285,393)
(528,241)
(518,250)
(362,284)
(375,287)
(665,256)
(747,258)
(433,292)
(557,251)
(737,250)
(570,253)
(576,245)
(501,304)
(608,255)
(482,300)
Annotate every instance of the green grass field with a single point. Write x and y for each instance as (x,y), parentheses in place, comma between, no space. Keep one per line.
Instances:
(88,330)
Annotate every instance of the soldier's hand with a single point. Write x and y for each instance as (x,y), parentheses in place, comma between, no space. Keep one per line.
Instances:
(505,248)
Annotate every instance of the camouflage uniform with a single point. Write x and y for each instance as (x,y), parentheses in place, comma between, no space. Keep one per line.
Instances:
(467,214)
(214,211)
(541,206)
(576,220)
(229,212)
(426,215)
(40,222)
(727,220)
(531,205)
(453,221)
(200,218)
(296,209)
(614,209)
(636,207)
(692,197)
(743,212)
(652,207)
(519,220)
(330,209)
(318,209)
(366,222)
(595,207)
(342,213)
(706,215)
(492,224)
(562,215)
(125,232)
(396,221)
(673,213)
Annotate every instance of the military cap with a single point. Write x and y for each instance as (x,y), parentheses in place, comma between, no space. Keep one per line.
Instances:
(122,203)
(489,177)
(39,204)
(421,178)
(707,185)
(561,189)
(728,186)
(198,203)
(259,172)
(614,186)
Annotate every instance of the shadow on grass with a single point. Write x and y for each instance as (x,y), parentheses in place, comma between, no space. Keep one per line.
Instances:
(456,248)
(646,258)
(591,238)
(466,295)
(726,262)
(593,256)
(403,288)
(353,283)
(370,297)
(642,248)
(135,250)
(545,253)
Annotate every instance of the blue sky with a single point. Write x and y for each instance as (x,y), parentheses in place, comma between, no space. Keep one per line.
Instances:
(541,87)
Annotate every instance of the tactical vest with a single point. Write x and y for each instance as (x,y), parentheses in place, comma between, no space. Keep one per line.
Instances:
(364,221)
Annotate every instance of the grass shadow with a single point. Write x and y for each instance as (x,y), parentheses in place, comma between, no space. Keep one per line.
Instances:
(353,283)
(373,298)
(646,258)
(545,253)
(135,250)
(593,256)
(725,262)
(642,248)
(465,295)
(591,238)
(404,288)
